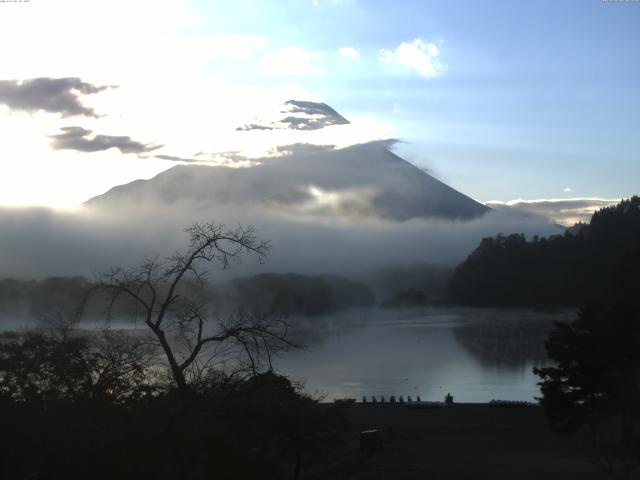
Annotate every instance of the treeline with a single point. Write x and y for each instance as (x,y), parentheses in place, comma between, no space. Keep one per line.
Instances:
(560,270)
(37,300)
(412,285)
(293,293)
(289,294)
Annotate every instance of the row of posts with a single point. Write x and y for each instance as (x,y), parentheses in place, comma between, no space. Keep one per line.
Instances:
(448,399)
(392,399)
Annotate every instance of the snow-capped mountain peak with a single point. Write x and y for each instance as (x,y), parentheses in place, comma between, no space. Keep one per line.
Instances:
(298,115)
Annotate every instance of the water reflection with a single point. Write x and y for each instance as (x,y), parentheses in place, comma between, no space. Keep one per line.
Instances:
(476,354)
(509,339)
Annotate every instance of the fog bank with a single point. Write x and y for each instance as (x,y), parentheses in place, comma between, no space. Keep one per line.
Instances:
(36,243)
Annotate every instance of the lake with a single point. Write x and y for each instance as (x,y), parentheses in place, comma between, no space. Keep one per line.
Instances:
(475,354)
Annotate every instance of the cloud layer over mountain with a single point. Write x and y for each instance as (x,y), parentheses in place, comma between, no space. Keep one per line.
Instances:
(565,211)
(307,181)
(40,242)
(343,207)
(326,210)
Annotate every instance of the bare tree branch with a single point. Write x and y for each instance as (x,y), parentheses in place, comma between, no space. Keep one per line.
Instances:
(178,319)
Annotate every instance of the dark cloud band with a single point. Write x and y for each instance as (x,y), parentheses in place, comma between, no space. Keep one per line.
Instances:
(55,95)
(77,138)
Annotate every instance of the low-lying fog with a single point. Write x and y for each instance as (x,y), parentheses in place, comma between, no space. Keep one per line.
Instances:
(37,243)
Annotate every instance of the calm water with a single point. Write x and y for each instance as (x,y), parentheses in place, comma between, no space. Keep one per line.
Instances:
(476,354)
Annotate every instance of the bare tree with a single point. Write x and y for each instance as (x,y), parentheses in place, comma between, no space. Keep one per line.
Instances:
(169,297)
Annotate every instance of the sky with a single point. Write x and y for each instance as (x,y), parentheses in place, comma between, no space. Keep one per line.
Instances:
(501,100)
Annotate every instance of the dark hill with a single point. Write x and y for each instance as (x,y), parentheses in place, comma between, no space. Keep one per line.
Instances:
(559,270)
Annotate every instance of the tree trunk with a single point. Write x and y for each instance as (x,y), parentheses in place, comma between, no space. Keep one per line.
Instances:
(296,472)
(176,371)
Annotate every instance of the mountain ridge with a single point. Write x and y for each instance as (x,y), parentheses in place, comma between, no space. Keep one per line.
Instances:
(365,180)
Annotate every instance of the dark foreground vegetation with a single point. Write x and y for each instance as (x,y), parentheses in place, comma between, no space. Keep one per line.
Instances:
(561,270)
(88,407)
(593,386)
(186,396)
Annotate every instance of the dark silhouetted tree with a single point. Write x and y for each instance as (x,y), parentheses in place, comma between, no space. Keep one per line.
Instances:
(171,303)
(41,367)
(595,382)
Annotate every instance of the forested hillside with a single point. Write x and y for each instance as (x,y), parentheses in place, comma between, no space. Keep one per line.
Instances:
(292,293)
(559,270)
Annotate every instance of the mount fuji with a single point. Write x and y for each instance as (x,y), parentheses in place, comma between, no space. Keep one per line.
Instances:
(365,180)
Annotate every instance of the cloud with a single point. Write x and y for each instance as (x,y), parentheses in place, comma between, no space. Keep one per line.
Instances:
(329,3)
(220,159)
(348,52)
(55,95)
(365,181)
(76,138)
(567,189)
(417,56)
(314,202)
(345,211)
(337,245)
(173,158)
(234,46)
(565,211)
(290,61)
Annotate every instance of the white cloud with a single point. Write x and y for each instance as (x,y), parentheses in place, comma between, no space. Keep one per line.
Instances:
(168,92)
(329,3)
(290,61)
(226,46)
(348,52)
(565,211)
(567,189)
(417,56)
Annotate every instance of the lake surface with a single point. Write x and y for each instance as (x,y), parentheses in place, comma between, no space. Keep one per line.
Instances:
(475,354)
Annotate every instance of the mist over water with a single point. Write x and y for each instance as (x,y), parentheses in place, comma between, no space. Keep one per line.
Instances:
(475,354)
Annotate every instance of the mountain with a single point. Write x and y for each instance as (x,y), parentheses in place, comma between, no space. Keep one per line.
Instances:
(327,197)
(358,181)
(300,115)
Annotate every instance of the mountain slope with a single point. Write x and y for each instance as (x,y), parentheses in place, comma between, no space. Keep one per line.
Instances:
(359,181)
